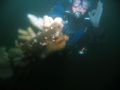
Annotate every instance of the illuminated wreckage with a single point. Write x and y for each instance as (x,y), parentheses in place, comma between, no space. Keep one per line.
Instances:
(45,39)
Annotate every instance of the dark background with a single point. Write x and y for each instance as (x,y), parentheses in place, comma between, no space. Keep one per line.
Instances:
(99,70)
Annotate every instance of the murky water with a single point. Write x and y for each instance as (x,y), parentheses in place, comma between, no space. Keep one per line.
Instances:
(97,67)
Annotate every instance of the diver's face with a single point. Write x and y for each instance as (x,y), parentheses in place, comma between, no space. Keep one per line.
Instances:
(83,10)
(79,8)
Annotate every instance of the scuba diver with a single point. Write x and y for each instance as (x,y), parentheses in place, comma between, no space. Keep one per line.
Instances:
(79,16)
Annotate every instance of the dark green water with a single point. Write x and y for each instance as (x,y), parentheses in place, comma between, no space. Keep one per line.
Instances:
(99,69)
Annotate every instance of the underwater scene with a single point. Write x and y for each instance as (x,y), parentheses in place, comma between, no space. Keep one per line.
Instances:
(59,44)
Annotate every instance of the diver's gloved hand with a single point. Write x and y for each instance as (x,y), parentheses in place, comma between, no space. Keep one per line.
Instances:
(95,14)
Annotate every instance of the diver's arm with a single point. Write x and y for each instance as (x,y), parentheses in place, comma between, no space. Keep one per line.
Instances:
(95,14)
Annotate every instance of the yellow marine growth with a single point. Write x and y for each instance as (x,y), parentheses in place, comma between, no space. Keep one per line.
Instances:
(48,37)
(26,35)
(9,60)
(5,66)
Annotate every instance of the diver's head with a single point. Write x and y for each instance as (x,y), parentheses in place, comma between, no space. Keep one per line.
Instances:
(76,2)
(80,7)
